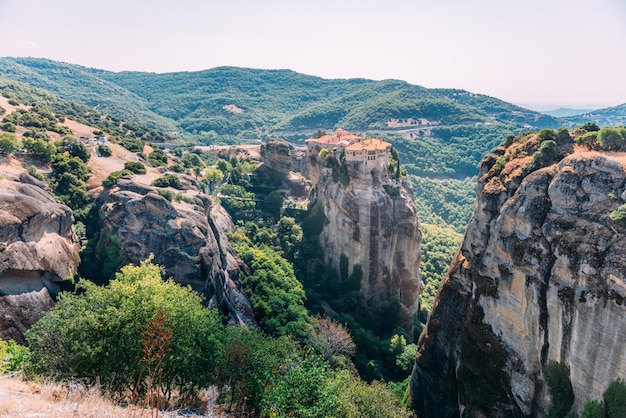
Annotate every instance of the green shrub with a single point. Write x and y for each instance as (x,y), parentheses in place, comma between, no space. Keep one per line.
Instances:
(104,150)
(557,377)
(135,167)
(39,148)
(112,179)
(13,357)
(594,409)
(545,155)
(619,214)
(615,399)
(32,170)
(168,180)
(611,139)
(157,158)
(167,194)
(8,143)
(589,140)
(546,134)
(131,144)
(97,335)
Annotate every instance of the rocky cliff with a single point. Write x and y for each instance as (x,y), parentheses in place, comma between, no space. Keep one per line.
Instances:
(376,230)
(38,252)
(540,275)
(187,238)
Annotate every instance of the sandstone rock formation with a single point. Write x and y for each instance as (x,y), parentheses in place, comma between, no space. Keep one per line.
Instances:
(378,232)
(279,156)
(541,275)
(38,252)
(184,237)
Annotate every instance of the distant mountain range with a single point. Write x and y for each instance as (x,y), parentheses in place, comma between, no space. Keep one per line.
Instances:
(250,103)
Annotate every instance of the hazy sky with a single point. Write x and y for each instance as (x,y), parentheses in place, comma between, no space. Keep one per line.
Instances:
(555,52)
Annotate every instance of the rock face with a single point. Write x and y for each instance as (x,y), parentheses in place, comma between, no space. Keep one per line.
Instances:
(186,238)
(541,275)
(376,233)
(38,252)
(277,154)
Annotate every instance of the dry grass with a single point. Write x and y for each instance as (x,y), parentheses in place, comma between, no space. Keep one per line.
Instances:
(22,398)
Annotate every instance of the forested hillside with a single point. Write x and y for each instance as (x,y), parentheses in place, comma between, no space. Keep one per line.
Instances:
(241,102)
(611,116)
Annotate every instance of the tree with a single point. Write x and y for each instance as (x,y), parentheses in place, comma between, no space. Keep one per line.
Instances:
(615,399)
(8,143)
(96,335)
(74,148)
(332,340)
(610,139)
(557,377)
(40,149)
(273,203)
(594,409)
(135,167)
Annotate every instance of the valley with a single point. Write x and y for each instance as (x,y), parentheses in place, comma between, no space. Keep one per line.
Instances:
(374,248)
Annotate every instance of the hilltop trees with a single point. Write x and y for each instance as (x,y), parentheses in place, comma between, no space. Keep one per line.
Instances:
(8,143)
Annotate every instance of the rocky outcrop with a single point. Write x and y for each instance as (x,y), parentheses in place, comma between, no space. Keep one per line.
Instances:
(185,238)
(375,229)
(541,275)
(281,162)
(277,155)
(38,252)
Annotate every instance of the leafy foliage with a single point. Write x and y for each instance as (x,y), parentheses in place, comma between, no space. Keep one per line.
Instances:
(95,335)
(615,399)
(13,357)
(168,180)
(276,295)
(557,377)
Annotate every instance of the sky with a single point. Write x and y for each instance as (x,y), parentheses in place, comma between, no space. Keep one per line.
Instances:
(540,53)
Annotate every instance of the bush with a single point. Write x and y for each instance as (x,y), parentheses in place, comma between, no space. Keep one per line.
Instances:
(104,150)
(615,399)
(13,357)
(74,148)
(8,143)
(545,155)
(546,134)
(168,180)
(610,139)
(594,409)
(133,145)
(588,140)
(135,167)
(166,194)
(101,334)
(557,377)
(619,215)
(112,179)
(157,158)
(39,148)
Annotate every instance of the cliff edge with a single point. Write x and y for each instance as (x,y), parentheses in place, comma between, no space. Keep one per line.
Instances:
(540,275)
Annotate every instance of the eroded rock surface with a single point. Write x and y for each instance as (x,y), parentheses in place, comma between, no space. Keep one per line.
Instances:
(376,232)
(541,275)
(188,239)
(38,252)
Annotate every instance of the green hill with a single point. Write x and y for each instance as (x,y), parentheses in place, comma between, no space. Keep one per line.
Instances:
(249,103)
(611,116)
